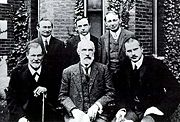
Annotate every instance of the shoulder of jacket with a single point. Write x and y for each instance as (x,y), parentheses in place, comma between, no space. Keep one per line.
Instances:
(20,69)
(100,65)
(127,31)
(71,68)
(105,34)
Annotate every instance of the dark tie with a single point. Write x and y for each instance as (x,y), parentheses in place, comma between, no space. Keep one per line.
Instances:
(135,67)
(34,75)
(46,45)
(87,76)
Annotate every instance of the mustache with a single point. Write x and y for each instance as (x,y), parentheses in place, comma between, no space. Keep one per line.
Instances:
(87,57)
(36,62)
(134,56)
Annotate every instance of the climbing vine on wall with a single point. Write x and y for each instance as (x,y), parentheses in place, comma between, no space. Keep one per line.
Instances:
(122,7)
(21,36)
(79,9)
(171,26)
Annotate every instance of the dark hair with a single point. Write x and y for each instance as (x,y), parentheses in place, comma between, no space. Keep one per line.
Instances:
(34,45)
(80,18)
(44,19)
(116,13)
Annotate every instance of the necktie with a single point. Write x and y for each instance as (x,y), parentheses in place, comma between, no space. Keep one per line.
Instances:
(46,45)
(135,67)
(87,76)
(36,76)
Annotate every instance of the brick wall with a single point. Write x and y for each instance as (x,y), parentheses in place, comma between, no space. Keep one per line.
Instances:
(61,12)
(144,24)
(32,6)
(6,13)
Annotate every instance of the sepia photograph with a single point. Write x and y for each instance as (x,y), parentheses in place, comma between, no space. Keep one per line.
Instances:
(89,61)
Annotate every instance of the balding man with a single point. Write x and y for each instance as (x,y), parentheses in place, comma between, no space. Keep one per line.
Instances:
(86,87)
(27,83)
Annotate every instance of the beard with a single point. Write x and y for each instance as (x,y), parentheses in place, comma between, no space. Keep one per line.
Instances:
(87,61)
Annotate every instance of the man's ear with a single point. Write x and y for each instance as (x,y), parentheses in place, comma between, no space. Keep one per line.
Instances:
(89,25)
(27,56)
(37,27)
(106,26)
(120,21)
(141,46)
(77,51)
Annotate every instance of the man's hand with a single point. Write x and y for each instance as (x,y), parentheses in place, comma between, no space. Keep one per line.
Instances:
(23,119)
(39,90)
(92,111)
(77,114)
(120,115)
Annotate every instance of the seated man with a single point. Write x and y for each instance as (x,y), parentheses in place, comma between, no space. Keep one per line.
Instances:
(86,87)
(26,86)
(147,91)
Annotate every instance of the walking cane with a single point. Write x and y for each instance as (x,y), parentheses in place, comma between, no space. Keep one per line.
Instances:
(43,107)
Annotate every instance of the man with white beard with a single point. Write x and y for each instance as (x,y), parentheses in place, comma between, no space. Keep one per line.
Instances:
(86,87)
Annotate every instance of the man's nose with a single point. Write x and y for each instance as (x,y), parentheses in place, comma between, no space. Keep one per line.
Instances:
(36,58)
(83,29)
(133,52)
(87,52)
(48,29)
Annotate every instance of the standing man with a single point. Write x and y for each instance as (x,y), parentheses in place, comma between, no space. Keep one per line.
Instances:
(86,87)
(110,49)
(149,90)
(54,60)
(27,83)
(83,27)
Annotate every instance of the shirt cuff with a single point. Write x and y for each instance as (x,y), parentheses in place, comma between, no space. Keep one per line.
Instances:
(153,110)
(100,107)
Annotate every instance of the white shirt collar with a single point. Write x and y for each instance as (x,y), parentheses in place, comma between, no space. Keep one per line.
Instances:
(33,71)
(84,38)
(116,34)
(46,38)
(89,70)
(138,63)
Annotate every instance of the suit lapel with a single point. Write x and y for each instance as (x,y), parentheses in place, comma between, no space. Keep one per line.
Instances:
(27,76)
(41,43)
(121,39)
(93,75)
(128,73)
(143,68)
(106,43)
(77,40)
(77,77)
(52,44)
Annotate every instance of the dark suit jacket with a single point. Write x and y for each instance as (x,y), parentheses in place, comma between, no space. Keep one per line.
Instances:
(72,44)
(54,62)
(100,87)
(20,98)
(158,87)
(104,45)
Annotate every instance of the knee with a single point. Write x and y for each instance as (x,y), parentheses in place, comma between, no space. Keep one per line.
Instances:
(130,115)
(147,119)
